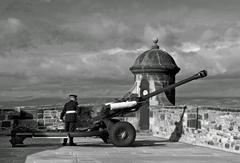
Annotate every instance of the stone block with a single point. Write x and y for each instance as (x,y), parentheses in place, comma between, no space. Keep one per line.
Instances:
(193,124)
(40,111)
(235,128)
(200,116)
(40,122)
(213,122)
(227,145)
(39,116)
(2,117)
(47,116)
(230,128)
(206,116)
(237,147)
(34,115)
(210,142)
(162,117)
(42,127)
(51,127)
(49,122)
(28,123)
(6,124)
(60,126)
(237,142)
(236,137)
(47,111)
(191,116)
(218,127)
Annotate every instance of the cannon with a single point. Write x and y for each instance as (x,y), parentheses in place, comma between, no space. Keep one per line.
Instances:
(105,124)
(133,103)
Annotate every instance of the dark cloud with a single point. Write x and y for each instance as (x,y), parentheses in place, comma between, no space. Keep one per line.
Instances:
(54,41)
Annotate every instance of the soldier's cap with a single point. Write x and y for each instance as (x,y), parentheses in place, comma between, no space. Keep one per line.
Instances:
(75,96)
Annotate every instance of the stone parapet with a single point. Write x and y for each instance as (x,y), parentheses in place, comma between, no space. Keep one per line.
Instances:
(210,127)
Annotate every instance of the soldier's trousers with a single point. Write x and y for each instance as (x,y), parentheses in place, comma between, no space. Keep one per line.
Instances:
(69,127)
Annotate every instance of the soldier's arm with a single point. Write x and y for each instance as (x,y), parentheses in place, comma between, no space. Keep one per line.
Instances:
(63,112)
(78,109)
(76,106)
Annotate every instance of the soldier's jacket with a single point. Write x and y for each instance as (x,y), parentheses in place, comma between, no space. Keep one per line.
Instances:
(70,111)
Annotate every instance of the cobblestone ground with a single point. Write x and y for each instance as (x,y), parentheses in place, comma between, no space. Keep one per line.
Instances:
(147,149)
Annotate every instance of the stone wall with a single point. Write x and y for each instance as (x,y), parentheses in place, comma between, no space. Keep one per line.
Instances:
(37,118)
(204,126)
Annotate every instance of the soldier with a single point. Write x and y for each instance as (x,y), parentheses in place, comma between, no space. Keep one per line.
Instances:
(70,113)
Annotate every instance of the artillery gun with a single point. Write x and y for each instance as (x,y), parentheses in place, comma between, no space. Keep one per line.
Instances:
(106,125)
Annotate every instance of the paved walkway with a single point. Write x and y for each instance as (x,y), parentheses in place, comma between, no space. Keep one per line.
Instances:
(19,154)
(91,150)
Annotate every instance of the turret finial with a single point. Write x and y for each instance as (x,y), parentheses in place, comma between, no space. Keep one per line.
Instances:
(155,45)
(155,40)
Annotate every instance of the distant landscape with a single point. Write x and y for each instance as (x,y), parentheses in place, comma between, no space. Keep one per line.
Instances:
(227,102)
(54,101)
(222,102)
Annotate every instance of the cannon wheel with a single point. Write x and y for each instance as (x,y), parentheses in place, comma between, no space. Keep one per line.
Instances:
(16,140)
(122,134)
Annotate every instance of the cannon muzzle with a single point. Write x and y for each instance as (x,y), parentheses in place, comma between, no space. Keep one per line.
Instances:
(200,74)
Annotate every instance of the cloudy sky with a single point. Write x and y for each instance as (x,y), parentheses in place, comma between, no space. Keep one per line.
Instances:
(49,48)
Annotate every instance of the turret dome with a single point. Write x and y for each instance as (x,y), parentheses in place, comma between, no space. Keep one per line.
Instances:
(155,61)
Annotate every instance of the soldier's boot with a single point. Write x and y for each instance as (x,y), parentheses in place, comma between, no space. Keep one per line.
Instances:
(64,141)
(71,142)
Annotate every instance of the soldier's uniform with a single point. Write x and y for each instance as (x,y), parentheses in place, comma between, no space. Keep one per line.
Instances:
(70,113)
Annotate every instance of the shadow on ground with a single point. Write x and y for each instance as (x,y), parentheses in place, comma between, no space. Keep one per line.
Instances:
(138,143)
(42,145)
(142,143)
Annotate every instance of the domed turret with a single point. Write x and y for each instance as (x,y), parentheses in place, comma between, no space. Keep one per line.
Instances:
(153,70)
(155,61)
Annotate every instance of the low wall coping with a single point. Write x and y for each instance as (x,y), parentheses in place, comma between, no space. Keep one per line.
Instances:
(190,107)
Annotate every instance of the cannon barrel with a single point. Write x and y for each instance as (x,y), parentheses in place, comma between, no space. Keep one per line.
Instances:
(201,74)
